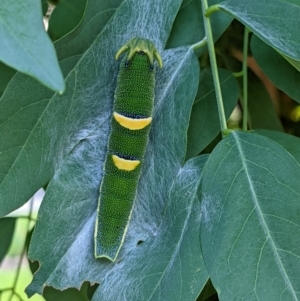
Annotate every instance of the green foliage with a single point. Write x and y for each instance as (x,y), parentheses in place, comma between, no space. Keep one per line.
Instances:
(289,142)
(65,17)
(6,73)
(188,27)
(271,61)
(7,226)
(221,226)
(262,113)
(51,294)
(249,234)
(269,20)
(25,44)
(204,120)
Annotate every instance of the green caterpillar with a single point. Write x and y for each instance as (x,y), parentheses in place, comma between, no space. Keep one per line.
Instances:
(130,125)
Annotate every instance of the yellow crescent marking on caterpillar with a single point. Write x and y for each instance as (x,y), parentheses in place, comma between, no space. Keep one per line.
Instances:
(124,164)
(132,123)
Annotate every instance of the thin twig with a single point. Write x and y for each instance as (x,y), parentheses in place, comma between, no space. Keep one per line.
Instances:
(14,293)
(214,67)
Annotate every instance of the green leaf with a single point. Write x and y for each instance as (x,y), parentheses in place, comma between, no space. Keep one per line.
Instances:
(33,265)
(261,109)
(23,167)
(207,292)
(276,22)
(250,219)
(51,294)
(289,142)
(278,70)
(295,63)
(44,6)
(6,74)
(7,228)
(65,17)
(204,122)
(161,256)
(26,45)
(188,27)
(35,134)
(94,22)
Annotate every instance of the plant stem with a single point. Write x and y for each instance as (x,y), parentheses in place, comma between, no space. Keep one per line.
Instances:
(214,67)
(200,44)
(238,74)
(210,10)
(22,254)
(245,80)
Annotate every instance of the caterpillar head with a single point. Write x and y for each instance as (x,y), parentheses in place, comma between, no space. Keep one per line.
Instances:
(140,45)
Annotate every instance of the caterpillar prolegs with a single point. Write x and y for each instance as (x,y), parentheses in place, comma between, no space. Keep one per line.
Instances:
(130,125)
